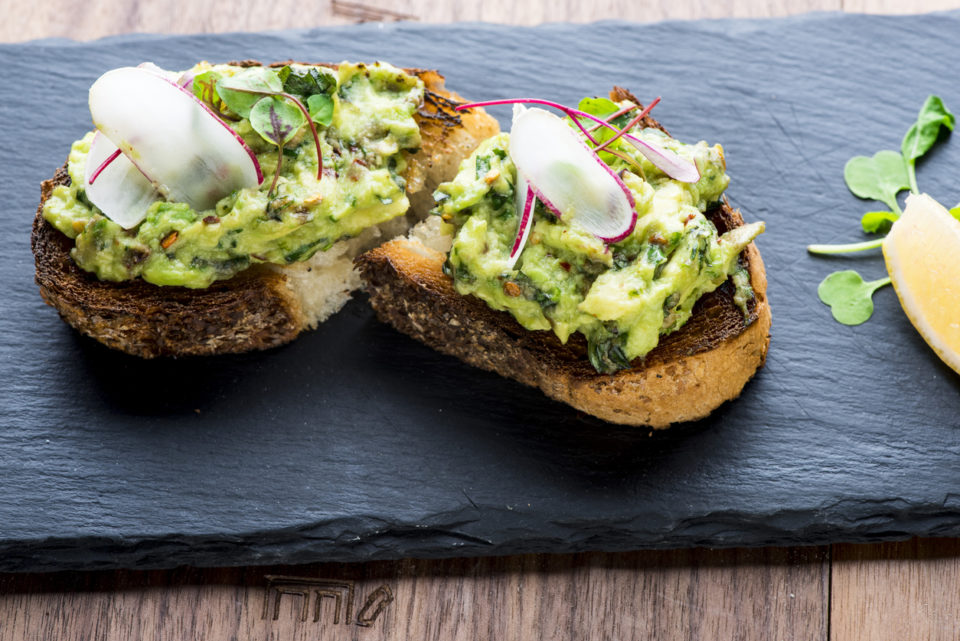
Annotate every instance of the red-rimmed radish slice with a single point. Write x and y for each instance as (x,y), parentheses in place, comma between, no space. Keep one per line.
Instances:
(187,152)
(665,160)
(569,177)
(117,188)
(525,201)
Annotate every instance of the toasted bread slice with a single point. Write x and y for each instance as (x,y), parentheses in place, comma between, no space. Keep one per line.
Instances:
(263,306)
(690,372)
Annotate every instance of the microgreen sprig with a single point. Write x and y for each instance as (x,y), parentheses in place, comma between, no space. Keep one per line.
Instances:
(273,101)
(880,177)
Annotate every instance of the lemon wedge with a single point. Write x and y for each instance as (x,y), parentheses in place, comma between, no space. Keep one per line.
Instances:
(921,253)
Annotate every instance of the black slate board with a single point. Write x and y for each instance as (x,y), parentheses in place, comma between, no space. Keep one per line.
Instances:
(357,443)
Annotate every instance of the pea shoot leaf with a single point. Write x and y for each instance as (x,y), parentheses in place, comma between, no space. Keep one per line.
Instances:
(877,221)
(924,132)
(878,177)
(849,297)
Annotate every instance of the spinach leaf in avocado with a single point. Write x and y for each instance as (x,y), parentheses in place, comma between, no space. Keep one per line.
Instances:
(607,355)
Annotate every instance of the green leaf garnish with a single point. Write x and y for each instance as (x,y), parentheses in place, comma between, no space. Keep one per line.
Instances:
(878,221)
(314,86)
(849,297)
(277,121)
(321,109)
(924,133)
(205,88)
(600,107)
(880,177)
(242,91)
(307,82)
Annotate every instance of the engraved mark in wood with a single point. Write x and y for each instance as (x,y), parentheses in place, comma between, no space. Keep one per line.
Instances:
(316,590)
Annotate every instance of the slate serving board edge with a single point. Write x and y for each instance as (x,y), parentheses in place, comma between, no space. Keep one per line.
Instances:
(481,526)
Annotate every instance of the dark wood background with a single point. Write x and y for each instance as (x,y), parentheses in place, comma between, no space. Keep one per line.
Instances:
(897,591)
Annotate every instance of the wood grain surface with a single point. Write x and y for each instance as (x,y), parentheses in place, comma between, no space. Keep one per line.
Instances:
(896,591)
(687,594)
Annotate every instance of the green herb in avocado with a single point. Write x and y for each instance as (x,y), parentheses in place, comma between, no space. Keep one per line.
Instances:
(880,177)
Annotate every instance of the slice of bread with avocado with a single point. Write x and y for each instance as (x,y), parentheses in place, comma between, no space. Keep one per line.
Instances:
(690,372)
(266,304)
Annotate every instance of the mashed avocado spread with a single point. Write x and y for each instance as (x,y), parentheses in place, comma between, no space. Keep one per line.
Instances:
(623,296)
(366,122)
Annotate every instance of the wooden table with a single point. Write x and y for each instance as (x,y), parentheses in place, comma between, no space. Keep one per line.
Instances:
(895,591)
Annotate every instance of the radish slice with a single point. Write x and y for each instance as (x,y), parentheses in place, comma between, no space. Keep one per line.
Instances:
(568,177)
(526,201)
(666,161)
(186,151)
(118,189)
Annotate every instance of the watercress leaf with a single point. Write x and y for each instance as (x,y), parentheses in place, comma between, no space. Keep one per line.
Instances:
(320,107)
(880,177)
(242,91)
(924,132)
(877,221)
(307,82)
(849,297)
(276,120)
(205,88)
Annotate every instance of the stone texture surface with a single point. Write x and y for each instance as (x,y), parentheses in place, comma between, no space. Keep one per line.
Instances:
(357,443)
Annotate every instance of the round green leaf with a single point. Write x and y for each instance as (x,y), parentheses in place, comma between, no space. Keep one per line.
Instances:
(849,297)
(880,177)
(242,91)
(276,120)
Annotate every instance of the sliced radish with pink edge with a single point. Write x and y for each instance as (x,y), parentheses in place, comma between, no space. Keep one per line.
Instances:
(526,201)
(117,188)
(667,161)
(569,178)
(187,152)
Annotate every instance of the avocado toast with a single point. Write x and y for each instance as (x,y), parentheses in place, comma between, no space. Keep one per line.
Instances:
(213,287)
(520,314)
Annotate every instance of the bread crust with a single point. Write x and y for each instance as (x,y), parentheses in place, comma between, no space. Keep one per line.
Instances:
(689,374)
(256,309)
